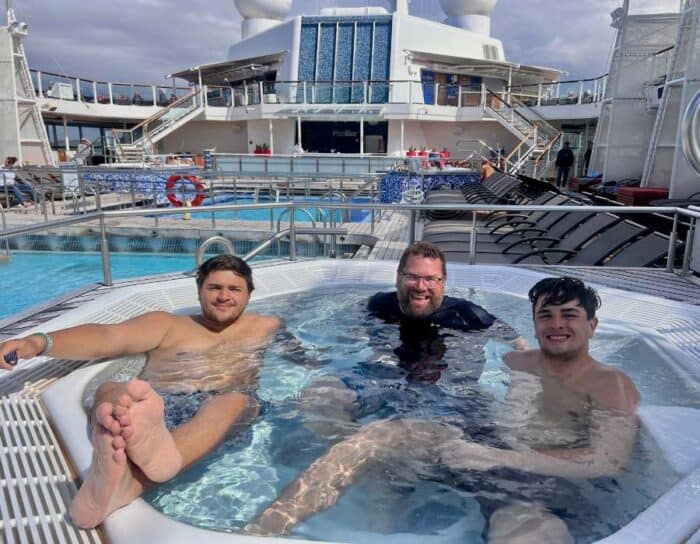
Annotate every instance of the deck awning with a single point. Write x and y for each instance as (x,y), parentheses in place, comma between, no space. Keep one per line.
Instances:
(517,74)
(231,71)
(339,112)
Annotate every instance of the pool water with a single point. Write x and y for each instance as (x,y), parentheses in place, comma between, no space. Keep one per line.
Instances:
(33,277)
(406,502)
(318,209)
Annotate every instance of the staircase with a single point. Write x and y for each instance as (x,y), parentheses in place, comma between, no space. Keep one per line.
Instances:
(33,141)
(538,138)
(138,143)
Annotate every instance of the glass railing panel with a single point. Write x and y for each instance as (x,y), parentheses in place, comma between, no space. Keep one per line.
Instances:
(253,93)
(87,91)
(102,92)
(218,97)
(398,92)
(305,165)
(278,165)
(59,87)
(142,95)
(165,96)
(330,165)
(253,165)
(122,94)
(342,92)
(378,92)
(470,98)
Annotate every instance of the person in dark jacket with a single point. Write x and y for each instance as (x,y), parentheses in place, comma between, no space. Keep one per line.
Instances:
(565,159)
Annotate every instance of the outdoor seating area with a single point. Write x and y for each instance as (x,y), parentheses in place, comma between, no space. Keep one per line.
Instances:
(553,237)
(500,188)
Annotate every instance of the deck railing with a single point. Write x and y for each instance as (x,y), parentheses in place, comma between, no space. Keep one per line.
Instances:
(673,213)
(60,87)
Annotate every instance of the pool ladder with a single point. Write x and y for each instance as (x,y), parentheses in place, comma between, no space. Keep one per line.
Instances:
(291,232)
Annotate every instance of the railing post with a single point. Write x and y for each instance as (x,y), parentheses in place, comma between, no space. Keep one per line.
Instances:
(688,247)
(671,253)
(412,228)
(303,88)
(39,87)
(154,95)
(435,94)
(580,93)
(260,90)
(472,240)
(109,92)
(364,92)
(459,96)
(104,248)
(292,235)
(539,94)
(483,95)
(94,92)
(77,90)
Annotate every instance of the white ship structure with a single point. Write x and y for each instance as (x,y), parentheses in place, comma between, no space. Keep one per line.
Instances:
(366,81)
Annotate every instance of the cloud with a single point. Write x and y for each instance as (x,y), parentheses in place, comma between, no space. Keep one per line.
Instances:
(142,40)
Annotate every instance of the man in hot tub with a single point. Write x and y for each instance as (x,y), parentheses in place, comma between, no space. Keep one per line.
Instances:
(205,367)
(441,341)
(565,414)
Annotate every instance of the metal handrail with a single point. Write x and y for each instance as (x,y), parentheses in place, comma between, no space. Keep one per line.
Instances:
(102,216)
(689,131)
(201,250)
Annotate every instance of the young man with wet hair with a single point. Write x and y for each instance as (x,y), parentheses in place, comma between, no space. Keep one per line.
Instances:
(565,414)
(201,367)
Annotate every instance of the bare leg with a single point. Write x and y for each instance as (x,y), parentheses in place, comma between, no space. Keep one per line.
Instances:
(212,423)
(149,444)
(527,524)
(328,406)
(320,486)
(110,482)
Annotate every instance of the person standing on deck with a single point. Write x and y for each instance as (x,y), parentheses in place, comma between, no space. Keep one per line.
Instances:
(565,159)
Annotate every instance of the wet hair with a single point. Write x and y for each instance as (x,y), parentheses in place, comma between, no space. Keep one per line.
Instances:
(10,161)
(423,249)
(562,290)
(225,262)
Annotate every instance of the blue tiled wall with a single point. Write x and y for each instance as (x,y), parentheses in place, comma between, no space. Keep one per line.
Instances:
(369,60)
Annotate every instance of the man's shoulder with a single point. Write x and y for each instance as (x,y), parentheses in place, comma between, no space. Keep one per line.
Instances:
(613,389)
(524,361)
(382,301)
(473,315)
(269,322)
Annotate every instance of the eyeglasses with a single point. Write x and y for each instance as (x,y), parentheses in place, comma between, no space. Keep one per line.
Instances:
(413,279)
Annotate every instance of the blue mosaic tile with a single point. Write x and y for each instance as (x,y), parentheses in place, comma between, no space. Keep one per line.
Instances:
(380,62)
(343,60)
(326,58)
(394,184)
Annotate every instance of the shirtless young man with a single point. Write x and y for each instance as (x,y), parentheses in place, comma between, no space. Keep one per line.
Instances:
(214,355)
(572,417)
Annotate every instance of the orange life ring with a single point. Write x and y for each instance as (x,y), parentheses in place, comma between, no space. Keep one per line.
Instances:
(174,200)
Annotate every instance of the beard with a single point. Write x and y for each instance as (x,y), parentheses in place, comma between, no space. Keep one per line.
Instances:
(410,309)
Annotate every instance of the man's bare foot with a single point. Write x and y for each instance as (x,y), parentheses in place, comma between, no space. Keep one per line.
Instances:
(149,444)
(109,483)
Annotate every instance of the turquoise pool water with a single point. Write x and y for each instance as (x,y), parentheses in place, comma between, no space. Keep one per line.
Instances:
(317,208)
(33,277)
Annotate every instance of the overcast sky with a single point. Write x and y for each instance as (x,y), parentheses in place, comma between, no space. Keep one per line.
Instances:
(140,41)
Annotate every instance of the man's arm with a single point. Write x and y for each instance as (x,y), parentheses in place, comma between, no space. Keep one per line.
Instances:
(614,427)
(606,456)
(138,335)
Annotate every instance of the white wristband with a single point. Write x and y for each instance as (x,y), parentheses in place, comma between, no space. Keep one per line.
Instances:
(47,340)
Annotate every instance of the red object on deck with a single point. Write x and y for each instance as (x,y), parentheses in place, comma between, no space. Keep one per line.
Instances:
(640,196)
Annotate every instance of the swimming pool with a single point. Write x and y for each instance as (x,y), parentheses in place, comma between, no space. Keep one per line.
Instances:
(318,208)
(675,513)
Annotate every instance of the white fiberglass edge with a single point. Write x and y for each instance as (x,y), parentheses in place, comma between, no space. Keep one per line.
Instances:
(670,520)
